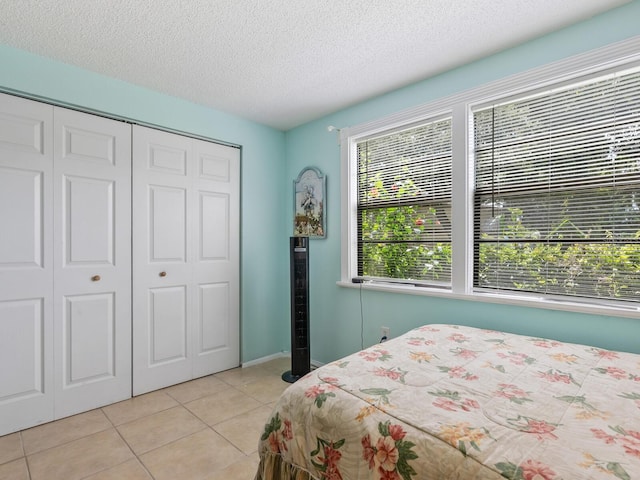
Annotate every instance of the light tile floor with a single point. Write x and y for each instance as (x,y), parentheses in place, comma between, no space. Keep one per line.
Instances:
(205,429)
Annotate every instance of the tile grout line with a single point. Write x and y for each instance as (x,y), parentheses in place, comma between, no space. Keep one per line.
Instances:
(232,382)
(134,455)
(24,455)
(128,446)
(37,452)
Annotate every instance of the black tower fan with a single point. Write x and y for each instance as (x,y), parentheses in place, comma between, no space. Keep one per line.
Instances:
(300,354)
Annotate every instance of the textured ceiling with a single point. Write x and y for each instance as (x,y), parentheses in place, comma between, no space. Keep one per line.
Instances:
(279,62)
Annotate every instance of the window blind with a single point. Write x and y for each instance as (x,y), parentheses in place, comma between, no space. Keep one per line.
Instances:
(557,191)
(404,204)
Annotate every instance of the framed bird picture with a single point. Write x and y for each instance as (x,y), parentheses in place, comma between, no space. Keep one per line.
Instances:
(310,204)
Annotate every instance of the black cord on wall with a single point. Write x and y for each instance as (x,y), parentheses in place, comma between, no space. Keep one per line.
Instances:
(361,321)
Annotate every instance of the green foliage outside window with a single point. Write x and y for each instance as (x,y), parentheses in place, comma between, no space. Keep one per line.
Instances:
(394,247)
(398,241)
(555,203)
(516,258)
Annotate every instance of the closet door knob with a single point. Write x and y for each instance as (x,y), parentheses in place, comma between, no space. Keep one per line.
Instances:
(95,278)
(163,274)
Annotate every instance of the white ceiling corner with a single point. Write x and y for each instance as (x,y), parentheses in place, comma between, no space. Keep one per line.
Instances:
(279,62)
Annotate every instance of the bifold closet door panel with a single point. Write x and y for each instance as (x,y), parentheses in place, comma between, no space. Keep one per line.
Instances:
(186,258)
(92,261)
(69,221)
(216,267)
(26,263)
(162,259)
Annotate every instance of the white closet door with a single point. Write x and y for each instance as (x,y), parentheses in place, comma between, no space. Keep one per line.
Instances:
(92,255)
(216,332)
(162,259)
(186,259)
(26,264)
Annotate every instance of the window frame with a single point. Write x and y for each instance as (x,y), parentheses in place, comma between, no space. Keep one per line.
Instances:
(360,207)
(460,107)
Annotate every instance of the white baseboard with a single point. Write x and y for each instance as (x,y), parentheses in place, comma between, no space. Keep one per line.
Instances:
(268,358)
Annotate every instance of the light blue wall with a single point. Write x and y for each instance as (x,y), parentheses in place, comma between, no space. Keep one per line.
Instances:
(337,320)
(264,307)
(272,159)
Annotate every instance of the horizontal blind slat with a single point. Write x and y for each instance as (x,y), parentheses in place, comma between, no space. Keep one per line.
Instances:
(404,203)
(557,190)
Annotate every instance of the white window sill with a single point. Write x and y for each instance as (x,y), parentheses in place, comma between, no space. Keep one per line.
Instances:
(629,311)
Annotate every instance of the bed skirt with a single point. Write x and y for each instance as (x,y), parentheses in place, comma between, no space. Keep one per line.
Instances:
(273,467)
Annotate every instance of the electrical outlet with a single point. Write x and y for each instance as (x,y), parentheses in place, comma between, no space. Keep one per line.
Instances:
(385,332)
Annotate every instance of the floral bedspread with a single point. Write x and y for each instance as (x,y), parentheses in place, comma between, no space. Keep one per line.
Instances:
(454,402)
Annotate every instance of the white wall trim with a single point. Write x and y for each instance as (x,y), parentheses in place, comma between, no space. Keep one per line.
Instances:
(268,358)
(458,105)
(111,116)
(579,65)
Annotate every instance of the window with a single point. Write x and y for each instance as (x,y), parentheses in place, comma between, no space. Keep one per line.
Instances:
(525,190)
(558,191)
(404,204)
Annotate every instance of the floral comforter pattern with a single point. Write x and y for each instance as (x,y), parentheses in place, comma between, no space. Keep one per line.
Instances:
(455,402)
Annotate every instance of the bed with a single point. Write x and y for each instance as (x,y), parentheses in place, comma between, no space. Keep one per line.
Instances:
(455,402)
